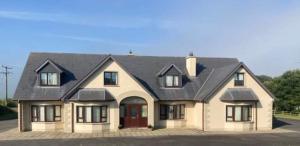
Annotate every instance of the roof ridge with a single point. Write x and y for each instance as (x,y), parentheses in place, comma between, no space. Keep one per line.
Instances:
(123,55)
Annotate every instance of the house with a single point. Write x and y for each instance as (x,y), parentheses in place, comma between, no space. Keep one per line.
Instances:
(94,93)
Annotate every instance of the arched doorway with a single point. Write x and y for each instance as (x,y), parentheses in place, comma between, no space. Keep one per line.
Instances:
(133,112)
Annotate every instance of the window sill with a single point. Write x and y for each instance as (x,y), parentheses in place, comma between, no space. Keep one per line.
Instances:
(47,122)
(111,86)
(173,120)
(251,122)
(93,123)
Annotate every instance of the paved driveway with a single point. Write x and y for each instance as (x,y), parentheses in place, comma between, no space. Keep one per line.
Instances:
(198,138)
(290,139)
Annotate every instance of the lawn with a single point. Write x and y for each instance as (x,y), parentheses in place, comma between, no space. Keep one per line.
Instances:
(287,116)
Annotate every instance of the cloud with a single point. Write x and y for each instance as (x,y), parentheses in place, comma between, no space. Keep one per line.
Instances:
(99,40)
(96,21)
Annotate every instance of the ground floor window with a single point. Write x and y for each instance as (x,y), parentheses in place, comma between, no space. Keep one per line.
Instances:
(238,113)
(170,112)
(91,114)
(45,113)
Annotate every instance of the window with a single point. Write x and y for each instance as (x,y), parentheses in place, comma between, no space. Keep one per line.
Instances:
(169,112)
(91,114)
(239,79)
(49,79)
(238,113)
(172,81)
(144,111)
(110,78)
(45,113)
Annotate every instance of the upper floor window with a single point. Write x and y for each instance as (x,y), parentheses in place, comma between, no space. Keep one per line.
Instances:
(172,81)
(239,79)
(238,113)
(110,78)
(49,79)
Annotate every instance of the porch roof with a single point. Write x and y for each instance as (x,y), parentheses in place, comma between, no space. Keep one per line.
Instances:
(92,95)
(239,94)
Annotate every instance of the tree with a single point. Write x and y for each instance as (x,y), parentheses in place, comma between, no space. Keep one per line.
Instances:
(286,89)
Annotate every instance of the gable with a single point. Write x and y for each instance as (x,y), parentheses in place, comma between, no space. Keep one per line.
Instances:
(125,82)
(249,82)
(48,68)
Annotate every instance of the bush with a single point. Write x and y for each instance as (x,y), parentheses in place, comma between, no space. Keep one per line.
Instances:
(11,103)
(5,110)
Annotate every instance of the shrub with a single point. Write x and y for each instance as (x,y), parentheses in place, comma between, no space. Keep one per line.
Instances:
(11,103)
(5,110)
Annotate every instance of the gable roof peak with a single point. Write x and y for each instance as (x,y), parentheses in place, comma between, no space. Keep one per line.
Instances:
(49,61)
(168,67)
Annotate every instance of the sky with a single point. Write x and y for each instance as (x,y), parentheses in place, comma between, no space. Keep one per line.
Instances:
(264,34)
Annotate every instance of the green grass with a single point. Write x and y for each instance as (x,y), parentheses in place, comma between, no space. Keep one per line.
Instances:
(287,116)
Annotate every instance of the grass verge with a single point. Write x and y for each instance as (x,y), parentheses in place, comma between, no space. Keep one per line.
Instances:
(286,116)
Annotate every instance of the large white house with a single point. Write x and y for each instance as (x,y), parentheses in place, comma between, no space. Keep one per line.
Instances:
(94,93)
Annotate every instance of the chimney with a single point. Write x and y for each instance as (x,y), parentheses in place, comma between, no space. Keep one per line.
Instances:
(190,63)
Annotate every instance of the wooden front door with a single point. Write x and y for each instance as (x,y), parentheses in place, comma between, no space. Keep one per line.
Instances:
(135,115)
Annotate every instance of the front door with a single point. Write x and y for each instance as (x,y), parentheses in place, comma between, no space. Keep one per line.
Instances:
(135,115)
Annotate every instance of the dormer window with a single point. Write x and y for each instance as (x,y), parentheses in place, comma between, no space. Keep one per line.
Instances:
(239,79)
(49,79)
(49,74)
(172,81)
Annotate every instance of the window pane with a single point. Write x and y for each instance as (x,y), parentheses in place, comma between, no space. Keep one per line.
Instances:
(177,111)
(57,111)
(114,78)
(34,113)
(182,110)
(49,113)
(170,112)
(103,113)
(44,78)
(241,77)
(96,114)
(88,114)
(245,113)
(238,113)
(169,80)
(42,113)
(80,114)
(144,111)
(52,79)
(229,111)
(250,113)
(176,81)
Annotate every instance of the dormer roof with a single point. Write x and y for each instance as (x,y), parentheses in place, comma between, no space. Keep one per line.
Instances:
(165,69)
(48,61)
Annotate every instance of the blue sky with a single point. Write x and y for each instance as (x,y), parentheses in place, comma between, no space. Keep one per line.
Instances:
(264,34)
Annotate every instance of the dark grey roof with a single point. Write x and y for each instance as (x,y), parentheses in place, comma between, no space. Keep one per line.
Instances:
(92,95)
(77,67)
(239,94)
